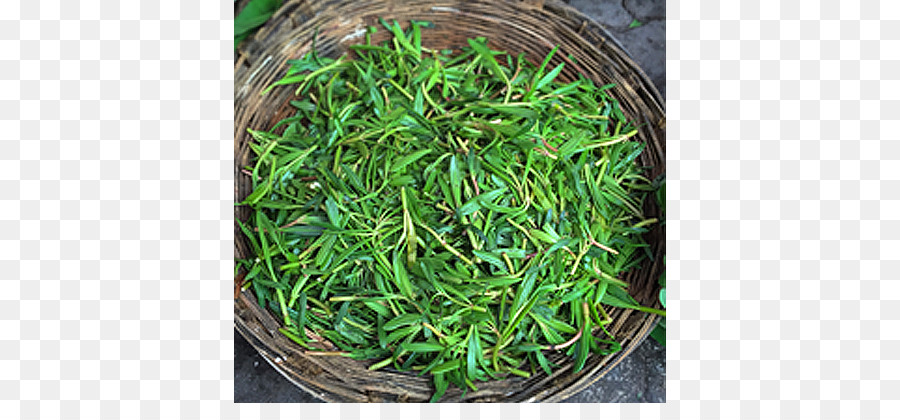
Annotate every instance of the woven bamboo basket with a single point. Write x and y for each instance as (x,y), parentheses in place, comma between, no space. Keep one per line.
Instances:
(532,27)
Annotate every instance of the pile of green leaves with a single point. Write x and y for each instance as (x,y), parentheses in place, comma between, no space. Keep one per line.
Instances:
(461,215)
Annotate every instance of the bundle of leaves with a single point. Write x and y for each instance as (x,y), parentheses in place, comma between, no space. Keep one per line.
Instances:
(459,214)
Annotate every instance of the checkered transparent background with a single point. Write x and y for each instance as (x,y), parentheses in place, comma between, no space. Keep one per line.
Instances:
(786,214)
(116,206)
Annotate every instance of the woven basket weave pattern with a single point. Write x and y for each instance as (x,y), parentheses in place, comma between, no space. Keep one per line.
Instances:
(532,27)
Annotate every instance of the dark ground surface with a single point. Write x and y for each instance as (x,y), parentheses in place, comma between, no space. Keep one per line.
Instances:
(641,377)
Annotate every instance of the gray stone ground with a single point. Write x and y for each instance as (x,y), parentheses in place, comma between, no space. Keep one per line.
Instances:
(645,43)
(641,377)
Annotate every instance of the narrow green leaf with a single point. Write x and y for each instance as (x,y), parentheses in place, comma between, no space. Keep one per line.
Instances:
(301,313)
(455,180)
(334,215)
(549,77)
(404,332)
(488,57)
(542,361)
(491,258)
(472,348)
(544,237)
(408,159)
(446,366)
(659,334)
(617,296)
(402,320)
(254,14)
(401,277)
(440,385)
(422,347)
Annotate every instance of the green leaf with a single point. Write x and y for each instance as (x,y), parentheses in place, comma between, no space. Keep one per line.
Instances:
(477,202)
(378,308)
(440,385)
(294,337)
(617,296)
(402,320)
(422,347)
(446,366)
(419,103)
(301,314)
(496,281)
(400,36)
(471,353)
(382,336)
(491,258)
(469,207)
(408,159)
(542,361)
(254,14)
(540,71)
(455,180)
(334,215)
(258,193)
(404,332)
(549,77)
(488,58)
(559,244)
(659,334)
(518,316)
(543,237)
(583,346)
(401,277)
(513,253)
(557,324)
(515,111)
